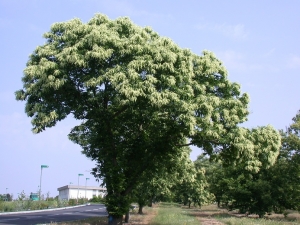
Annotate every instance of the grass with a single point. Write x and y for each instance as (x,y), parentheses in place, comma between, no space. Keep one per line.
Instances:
(211,214)
(233,218)
(25,205)
(171,213)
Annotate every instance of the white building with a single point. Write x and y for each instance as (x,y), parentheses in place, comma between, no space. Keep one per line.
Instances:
(72,191)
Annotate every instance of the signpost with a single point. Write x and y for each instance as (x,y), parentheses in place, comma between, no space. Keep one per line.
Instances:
(85,185)
(42,166)
(78,186)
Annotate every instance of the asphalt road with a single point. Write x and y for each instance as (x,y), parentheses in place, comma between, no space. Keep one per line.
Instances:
(62,215)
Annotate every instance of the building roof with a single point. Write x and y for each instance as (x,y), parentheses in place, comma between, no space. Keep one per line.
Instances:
(81,187)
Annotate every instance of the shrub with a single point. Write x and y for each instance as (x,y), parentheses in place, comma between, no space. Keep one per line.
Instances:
(7,206)
(96,199)
(72,202)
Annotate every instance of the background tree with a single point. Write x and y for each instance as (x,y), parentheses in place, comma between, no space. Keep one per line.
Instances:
(286,172)
(22,196)
(271,189)
(193,189)
(3,197)
(215,177)
(194,186)
(158,183)
(138,97)
(235,187)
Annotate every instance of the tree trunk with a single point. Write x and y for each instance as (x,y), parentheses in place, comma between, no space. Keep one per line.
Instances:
(127,217)
(261,215)
(140,209)
(141,204)
(114,220)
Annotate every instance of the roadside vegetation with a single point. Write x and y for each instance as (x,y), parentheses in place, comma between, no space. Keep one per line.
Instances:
(25,204)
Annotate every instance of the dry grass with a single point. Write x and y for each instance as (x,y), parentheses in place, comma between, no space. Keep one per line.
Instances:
(172,213)
(206,214)
(235,218)
(148,214)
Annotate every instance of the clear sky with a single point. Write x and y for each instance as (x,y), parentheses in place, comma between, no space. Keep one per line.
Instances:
(258,41)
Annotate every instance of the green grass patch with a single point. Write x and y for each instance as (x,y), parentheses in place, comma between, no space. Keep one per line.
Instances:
(171,213)
(26,205)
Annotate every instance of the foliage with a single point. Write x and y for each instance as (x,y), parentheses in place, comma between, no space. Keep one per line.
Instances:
(194,187)
(139,97)
(72,202)
(5,197)
(159,183)
(253,149)
(6,206)
(81,201)
(50,199)
(97,199)
(271,189)
(22,196)
(215,177)
(237,188)
(286,171)
(25,205)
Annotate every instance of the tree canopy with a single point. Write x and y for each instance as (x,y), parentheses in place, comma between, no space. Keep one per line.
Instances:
(274,188)
(139,98)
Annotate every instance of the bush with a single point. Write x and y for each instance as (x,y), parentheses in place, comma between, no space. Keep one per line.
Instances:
(81,201)
(62,203)
(24,205)
(72,202)
(7,206)
(96,199)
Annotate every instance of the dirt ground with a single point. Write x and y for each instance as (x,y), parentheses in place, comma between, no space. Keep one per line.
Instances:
(209,221)
(205,217)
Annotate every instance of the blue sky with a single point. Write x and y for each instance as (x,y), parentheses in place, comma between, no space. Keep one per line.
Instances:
(258,41)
